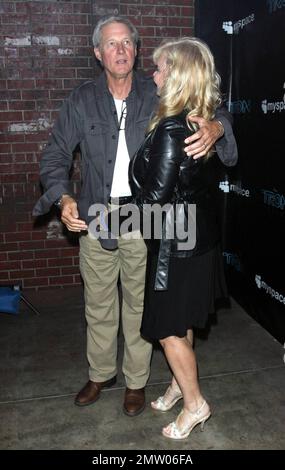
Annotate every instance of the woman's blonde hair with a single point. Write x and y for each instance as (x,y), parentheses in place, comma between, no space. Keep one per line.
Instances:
(191,83)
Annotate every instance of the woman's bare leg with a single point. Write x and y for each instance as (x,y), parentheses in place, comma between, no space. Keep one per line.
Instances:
(182,360)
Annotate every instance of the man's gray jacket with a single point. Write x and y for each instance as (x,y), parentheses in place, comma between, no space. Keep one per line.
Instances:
(89,118)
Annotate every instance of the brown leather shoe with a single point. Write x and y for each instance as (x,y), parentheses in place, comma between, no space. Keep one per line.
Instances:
(91,392)
(134,402)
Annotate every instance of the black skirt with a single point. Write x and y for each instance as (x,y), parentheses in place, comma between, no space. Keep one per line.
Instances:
(194,284)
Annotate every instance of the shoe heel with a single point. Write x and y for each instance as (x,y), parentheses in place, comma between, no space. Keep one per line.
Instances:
(202,424)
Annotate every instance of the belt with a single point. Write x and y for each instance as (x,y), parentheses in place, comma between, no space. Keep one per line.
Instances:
(120,201)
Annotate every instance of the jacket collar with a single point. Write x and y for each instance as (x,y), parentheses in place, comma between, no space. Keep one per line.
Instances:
(137,85)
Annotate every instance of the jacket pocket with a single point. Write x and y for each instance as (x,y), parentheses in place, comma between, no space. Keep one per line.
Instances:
(95,127)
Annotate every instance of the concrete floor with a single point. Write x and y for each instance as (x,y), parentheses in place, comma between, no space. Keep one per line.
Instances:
(43,366)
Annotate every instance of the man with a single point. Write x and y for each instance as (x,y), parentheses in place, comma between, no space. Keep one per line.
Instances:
(108,118)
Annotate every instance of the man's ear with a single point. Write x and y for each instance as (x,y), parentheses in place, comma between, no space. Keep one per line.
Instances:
(97,53)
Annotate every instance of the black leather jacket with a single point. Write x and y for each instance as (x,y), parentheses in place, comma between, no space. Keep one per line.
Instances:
(160,172)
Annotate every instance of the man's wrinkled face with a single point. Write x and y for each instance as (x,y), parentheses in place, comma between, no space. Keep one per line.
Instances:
(117,52)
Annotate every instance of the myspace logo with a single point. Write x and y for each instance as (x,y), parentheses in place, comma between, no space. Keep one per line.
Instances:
(258,281)
(277,106)
(272,292)
(234,28)
(226,187)
(272,107)
(228,27)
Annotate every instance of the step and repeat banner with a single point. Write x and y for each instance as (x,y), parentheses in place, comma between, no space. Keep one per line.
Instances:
(247,38)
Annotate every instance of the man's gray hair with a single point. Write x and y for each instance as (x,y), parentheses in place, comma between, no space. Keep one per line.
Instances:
(96,38)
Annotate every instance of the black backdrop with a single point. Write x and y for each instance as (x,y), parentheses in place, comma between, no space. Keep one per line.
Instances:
(247,39)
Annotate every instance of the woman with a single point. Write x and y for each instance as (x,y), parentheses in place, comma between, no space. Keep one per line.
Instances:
(181,284)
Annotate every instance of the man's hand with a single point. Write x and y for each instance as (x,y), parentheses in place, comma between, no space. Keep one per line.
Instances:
(201,142)
(69,215)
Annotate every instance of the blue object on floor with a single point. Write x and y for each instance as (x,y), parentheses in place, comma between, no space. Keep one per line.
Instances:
(9,300)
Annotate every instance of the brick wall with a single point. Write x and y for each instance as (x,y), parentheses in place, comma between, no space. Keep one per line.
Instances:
(45,51)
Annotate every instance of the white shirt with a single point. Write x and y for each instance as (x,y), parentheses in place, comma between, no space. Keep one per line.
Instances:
(120,184)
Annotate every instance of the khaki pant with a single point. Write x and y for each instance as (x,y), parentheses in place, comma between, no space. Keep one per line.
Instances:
(100,269)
